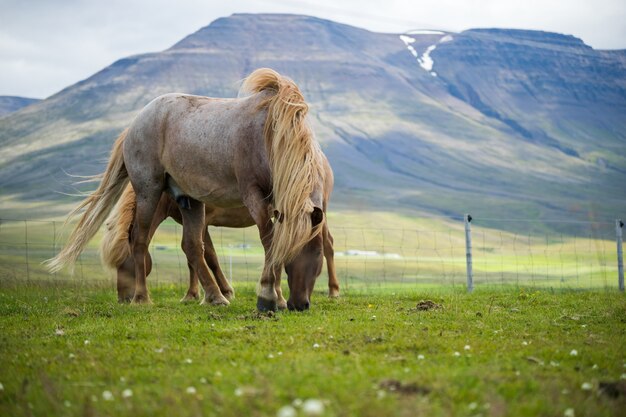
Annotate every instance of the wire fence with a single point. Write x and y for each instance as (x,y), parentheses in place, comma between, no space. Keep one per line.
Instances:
(365,258)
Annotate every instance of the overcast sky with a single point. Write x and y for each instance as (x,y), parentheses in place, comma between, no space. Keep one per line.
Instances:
(46,45)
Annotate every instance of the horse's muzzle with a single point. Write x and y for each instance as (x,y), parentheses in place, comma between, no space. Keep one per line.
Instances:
(301,306)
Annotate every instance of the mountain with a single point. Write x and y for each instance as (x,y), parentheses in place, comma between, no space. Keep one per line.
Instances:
(10,104)
(498,123)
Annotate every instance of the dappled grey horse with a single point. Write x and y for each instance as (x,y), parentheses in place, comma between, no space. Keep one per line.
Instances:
(256,152)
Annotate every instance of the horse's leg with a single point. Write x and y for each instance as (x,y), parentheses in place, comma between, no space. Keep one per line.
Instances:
(193,225)
(329,254)
(146,206)
(281,303)
(126,271)
(257,205)
(211,259)
(193,292)
(126,280)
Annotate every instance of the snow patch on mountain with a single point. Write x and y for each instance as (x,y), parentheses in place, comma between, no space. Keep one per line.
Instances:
(425,60)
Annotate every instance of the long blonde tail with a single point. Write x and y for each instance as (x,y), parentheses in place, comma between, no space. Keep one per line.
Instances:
(115,245)
(295,161)
(97,207)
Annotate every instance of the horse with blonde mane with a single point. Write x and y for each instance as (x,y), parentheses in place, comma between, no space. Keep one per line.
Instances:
(256,152)
(115,248)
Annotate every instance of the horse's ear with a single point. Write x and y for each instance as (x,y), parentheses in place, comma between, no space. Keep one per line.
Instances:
(317,216)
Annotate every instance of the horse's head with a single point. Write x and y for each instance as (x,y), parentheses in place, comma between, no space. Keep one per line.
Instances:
(305,267)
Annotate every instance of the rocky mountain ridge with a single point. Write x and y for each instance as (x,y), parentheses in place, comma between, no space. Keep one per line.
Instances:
(504,123)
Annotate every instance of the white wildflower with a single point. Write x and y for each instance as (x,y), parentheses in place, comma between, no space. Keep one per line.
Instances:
(188,360)
(595,366)
(127,393)
(159,350)
(316,346)
(472,406)
(524,343)
(297,402)
(586,386)
(218,374)
(1,387)
(457,354)
(59,332)
(286,411)
(270,356)
(71,356)
(107,395)
(420,357)
(313,407)
(574,352)
(86,342)
(67,403)
(280,353)
(467,347)
(623,376)
(191,390)
(203,380)
(569,413)
(238,392)
(380,394)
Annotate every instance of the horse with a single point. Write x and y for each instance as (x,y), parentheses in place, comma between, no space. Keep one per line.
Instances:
(255,151)
(115,248)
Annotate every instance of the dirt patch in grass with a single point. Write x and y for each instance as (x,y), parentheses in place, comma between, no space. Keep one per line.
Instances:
(409,388)
(613,389)
(426,305)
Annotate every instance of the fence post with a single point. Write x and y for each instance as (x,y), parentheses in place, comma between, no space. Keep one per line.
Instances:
(619,224)
(468,252)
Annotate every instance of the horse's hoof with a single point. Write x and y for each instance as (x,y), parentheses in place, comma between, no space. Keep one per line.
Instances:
(141,299)
(264,305)
(190,297)
(216,301)
(124,300)
(281,304)
(333,294)
(229,294)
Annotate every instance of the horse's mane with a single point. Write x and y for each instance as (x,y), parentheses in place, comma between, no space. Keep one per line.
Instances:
(295,161)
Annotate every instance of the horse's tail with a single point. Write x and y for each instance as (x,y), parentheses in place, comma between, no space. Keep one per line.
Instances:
(115,245)
(97,207)
(295,162)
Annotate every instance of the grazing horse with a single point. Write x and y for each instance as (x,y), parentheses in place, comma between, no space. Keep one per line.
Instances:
(256,152)
(115,248)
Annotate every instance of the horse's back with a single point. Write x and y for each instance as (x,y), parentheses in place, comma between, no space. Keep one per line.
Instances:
(195,140)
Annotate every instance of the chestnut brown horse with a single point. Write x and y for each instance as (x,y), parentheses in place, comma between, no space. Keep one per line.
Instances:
(115,248)
(256,152)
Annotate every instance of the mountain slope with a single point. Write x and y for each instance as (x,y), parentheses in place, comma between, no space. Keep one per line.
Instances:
(499,123)
(10,104)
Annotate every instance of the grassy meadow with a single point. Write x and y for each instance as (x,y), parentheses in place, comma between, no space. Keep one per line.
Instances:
(71,350)
(527,342)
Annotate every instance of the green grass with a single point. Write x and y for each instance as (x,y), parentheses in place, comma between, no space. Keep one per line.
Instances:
(518,361)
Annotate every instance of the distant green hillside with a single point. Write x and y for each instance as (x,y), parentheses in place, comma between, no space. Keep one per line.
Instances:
(500,123)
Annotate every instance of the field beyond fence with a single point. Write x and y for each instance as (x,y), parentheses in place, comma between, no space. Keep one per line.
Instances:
(430,254)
